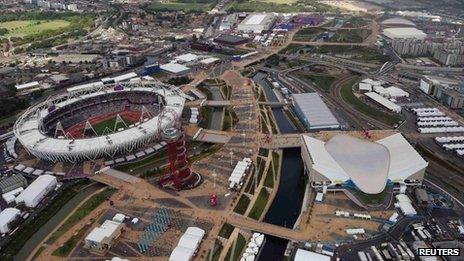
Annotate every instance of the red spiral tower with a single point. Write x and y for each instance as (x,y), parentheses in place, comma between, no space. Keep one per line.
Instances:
(180,174)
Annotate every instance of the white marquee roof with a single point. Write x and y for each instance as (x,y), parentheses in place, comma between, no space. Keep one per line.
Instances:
(368,164)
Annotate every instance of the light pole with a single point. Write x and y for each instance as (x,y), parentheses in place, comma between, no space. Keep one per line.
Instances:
(214,177)
(249,118)
(244,139)
(231,153)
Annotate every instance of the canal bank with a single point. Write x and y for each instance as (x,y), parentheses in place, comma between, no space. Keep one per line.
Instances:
(286,206)
(45,230)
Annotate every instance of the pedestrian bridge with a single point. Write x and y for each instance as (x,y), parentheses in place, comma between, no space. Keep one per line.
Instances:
(266,228)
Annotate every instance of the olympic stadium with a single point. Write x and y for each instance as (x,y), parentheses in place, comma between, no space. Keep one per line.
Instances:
(99,121)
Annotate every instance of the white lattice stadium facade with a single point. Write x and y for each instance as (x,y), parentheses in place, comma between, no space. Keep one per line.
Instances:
(30,131)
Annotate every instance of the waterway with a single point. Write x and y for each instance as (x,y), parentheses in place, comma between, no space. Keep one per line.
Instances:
(286,207)
(48,227)
(284,124)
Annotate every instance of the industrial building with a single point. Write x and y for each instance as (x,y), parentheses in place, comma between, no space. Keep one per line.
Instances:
(313,112)
(175,68)
(11,183)
(346,161)
(37,190)
(257,23)
(7,216)
(101,238)
(404,33)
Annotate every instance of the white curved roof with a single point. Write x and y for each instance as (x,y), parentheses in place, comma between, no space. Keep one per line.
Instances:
(404,33)
(56,149)
(366,162)
(369,165)
(398,21)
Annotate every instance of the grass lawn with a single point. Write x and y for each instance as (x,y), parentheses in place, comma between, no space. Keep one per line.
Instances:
(242,205)
(372,199)
(23,28)
(69,245)
(226,230)
(350,36)
(230,119)
(364,54)
(279,6)
(216,250)
(322,81)
(206,114)
(275,161)
(188,6)
(307,34)
(349,97)
(101,126)
(263,152)
(259,205)
(22,235)
(238,248)
(81,212)
(269,181)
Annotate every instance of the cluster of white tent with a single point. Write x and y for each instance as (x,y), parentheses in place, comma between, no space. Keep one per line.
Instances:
(36,172)
(427,112)
(239,172)
(355,231)
(432,120)
(455,143)
(404,204)
(340,213)
(10,196)
(253,247)
(441,129)
(188,244)
(193,115)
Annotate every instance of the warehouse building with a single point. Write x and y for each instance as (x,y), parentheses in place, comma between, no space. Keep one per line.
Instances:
(101,238)
(175,68)
(313,112)
(11,183)
(348,162)
(7,216)
(404,33)
(383,102)
(257,23)
(38,189)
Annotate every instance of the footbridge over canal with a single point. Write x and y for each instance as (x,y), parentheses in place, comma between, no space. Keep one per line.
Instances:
(266,228)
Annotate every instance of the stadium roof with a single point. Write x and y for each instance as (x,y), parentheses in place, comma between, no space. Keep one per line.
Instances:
(368,164)
(315,111)
(67,149)
(404,33)
(397,21)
